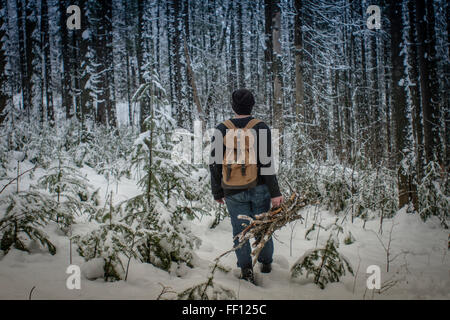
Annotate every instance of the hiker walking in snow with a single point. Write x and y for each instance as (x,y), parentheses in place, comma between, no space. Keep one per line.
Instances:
(244,177)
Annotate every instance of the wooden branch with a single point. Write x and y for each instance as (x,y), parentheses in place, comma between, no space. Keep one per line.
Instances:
(18,176)
(31,292)
(263,226)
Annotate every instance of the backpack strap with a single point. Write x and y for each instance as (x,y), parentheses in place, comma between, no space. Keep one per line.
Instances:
(229,124)
(252,123)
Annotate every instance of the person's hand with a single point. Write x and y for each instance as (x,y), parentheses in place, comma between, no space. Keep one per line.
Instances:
(220,201)
(276,202)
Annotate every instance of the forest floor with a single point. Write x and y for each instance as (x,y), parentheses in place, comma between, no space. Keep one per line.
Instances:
(420,269)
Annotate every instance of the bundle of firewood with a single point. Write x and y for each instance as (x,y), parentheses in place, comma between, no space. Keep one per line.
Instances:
(262,227)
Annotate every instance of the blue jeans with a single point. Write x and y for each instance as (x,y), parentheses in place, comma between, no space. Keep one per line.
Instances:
(250,203)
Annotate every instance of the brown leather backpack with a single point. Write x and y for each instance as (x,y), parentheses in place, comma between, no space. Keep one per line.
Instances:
(239,168)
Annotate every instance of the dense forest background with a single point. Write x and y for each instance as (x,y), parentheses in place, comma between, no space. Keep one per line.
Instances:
(338,91)
(87,117)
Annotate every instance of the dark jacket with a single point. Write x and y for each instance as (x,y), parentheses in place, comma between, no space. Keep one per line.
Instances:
(216,168)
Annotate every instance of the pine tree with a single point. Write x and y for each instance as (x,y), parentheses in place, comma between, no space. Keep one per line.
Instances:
(432,193)
(26,214)
(71,190)
(113,241)
(208,290)
(168,192)
(325,264)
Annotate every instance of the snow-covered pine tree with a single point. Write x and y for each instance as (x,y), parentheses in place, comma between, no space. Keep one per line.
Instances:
(71,190)
(26,213)
(208,290)
(433,194)
(114,240)
(349,238)
(150,226)
(325,264)
(111,159)
(170,189)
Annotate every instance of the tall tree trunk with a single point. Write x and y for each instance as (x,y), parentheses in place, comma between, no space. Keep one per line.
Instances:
(401,114)
(66,102)
(144,104)
(376,139)
(158,30)
(414,87)
(188,70)
(191,77)
(233,66)
(47,68)
(387,102)
(268,50)
(277,68)
(169,15)
(24,28)
(240,35)
(173,35)
(176,41)
(105,105)
(298,43)
(109,66)
(254,45)
(349,79)
(428,78)
(363,92)
(3,61)
(30,26)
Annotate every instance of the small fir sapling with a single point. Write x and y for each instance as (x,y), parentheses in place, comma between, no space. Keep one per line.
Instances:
(324,264)
(71,190)
(113,240)
(433,194)
(169,192)
(26,214)
(349,238)
(209,290)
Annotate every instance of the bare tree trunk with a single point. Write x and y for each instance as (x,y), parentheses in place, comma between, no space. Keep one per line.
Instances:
(298,42)
(277,68)
(47,68)
(240,35)
(65,85)
(189,73)
(144,104)
(233,66)
(109,66)
(399,102)
(3,60)
(376,139)
(268,52)
(176,41)
(194,86)
(414,88)
(428,78)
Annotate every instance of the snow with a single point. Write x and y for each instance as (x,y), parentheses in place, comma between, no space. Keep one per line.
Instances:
(419,271)
(93,269)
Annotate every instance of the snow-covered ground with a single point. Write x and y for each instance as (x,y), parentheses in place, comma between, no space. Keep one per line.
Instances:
(419,271)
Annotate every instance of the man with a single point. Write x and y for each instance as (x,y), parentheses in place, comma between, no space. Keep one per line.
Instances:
(253,198)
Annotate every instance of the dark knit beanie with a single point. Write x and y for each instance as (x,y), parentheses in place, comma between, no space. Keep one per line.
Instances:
(242,101)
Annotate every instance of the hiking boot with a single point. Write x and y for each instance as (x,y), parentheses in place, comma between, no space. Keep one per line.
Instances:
(247,275)
(266,268)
